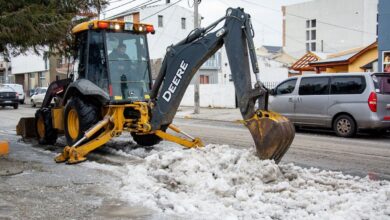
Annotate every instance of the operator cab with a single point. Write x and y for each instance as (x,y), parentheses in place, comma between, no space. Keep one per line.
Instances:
(114,56)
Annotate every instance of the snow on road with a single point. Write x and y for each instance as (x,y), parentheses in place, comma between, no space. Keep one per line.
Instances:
(220,182)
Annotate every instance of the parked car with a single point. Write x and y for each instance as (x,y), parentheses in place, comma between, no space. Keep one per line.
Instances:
(8,97)
(345,102)
(39,95)
(19,89)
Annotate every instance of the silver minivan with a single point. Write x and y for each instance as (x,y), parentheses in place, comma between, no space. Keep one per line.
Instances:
(345,102)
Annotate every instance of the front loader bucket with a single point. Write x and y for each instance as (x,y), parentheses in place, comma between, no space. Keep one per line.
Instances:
(26,128)
(272,133)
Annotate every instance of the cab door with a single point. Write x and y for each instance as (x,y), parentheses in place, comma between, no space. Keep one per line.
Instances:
(283,98)
(312,103)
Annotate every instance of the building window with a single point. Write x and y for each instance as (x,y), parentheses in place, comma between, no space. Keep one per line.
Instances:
(183,23)
(204,79)
(314,23)
(160,21)
(42,79)
(313,46)
(311,35)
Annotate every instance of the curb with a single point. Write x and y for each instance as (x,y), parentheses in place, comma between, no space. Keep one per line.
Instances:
(4,148)
(239,121)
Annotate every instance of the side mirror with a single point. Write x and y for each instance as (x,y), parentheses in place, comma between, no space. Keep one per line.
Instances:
(272,92)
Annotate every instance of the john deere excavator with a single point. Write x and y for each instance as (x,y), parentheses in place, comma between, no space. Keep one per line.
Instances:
(111,91)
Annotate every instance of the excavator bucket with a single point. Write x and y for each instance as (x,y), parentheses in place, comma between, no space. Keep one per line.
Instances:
(272,134)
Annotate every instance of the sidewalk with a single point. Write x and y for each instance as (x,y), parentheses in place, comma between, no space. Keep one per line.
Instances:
(218,114)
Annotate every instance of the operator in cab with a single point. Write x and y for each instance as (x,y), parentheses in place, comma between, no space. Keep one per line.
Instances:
(119,53)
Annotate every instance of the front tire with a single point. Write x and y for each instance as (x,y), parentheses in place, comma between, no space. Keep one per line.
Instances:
(344,126)
(80,115)
(16,106)
(46,134)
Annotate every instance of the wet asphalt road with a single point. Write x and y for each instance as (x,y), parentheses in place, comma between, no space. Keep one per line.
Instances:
(32,186)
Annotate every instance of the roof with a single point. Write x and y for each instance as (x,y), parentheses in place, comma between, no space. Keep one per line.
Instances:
(320,54)
(303,63)
(336,59)
(345,58)
(273,49)
(285,58)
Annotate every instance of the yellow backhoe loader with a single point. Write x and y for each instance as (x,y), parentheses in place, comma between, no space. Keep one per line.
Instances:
(110,90)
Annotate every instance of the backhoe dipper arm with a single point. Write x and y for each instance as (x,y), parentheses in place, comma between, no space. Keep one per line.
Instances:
(184,59)
(271,132)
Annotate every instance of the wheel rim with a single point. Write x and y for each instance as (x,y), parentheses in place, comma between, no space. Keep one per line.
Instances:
(73,124)
(41,127)
(344,126)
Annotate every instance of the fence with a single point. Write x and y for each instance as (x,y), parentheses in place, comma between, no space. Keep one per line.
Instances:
(215,95)
(211,95)
(270,85)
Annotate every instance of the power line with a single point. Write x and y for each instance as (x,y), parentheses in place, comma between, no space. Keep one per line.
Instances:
(302,17)
(162,9)
(149,2)
(119,6)
(115,1)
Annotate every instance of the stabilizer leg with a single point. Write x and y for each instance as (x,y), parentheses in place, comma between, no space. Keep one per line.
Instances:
(76,154)
(192,143)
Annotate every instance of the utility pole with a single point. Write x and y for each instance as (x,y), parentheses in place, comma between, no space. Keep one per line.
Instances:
(196,87)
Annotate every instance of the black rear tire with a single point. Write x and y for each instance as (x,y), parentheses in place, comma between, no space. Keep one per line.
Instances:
(16,106)
(49,135)
(88,115)
(146,140)
(344,126)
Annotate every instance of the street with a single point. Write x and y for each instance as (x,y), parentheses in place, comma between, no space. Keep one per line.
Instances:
(110,185)
(356,156)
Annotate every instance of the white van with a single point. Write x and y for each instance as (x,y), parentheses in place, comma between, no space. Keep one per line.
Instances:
(19,89)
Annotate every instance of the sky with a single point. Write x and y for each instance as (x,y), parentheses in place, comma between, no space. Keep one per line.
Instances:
(266,14)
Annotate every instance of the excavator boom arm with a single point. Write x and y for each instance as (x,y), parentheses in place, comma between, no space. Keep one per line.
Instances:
(271,132)
(184,59)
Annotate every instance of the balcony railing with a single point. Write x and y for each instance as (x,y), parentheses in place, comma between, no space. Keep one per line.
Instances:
(213,63)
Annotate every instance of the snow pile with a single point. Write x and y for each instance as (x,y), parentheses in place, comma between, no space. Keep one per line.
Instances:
(219,182)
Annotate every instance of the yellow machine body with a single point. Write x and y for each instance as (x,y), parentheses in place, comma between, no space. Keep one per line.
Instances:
(112,125)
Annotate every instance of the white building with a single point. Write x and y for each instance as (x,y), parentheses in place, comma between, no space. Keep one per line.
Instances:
(30,70)
(172,24)
(328,26)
